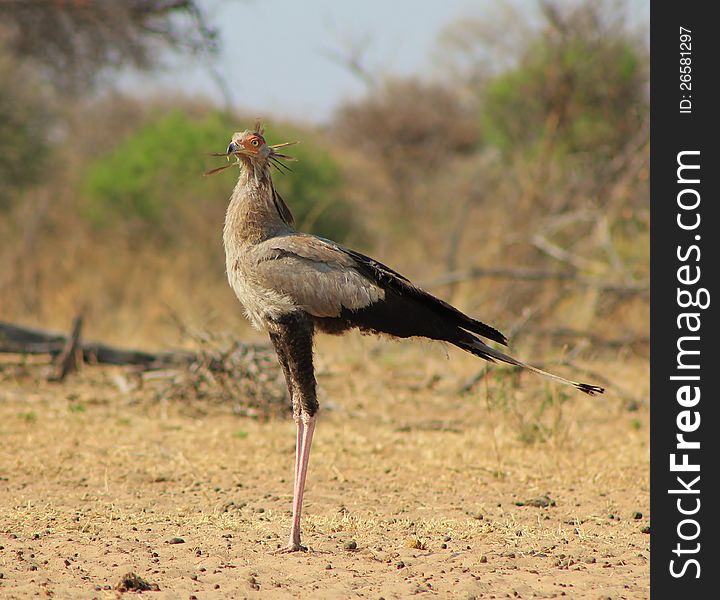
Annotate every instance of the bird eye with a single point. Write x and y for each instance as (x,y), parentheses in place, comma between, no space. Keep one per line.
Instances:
(255,143)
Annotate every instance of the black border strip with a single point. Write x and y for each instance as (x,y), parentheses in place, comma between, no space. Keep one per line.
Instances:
(676,255)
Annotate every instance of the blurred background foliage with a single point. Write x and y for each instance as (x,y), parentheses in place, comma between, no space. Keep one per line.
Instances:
(536,160)
(23,130)
(578,86)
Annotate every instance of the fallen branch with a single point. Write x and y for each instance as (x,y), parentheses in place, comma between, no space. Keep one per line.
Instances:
(17,339)
(222,368)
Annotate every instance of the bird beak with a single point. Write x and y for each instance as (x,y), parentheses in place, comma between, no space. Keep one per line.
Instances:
(231,149)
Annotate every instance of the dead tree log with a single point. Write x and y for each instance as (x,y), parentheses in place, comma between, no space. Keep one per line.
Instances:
(17,339)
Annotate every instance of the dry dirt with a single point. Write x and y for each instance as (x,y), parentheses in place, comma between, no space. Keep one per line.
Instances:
(414,488)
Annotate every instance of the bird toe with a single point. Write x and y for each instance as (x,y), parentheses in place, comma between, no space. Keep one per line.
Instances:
(291,547)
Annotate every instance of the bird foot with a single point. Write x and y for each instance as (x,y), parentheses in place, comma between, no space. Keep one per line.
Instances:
(291,547)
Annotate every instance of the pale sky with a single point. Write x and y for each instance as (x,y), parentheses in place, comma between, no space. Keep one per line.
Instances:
(276,54)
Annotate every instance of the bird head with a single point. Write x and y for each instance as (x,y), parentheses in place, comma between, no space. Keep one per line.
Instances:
(251,149)
(249,143)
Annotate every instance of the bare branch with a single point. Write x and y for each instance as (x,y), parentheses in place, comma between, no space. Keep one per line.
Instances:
(558,253)
(70,359)
(635,288)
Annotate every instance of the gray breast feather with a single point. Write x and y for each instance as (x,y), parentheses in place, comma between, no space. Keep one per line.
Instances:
(318,278)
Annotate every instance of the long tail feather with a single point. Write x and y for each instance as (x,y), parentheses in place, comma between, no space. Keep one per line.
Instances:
(481,349)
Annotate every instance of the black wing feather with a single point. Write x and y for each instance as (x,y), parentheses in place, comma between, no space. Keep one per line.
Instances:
(401,288)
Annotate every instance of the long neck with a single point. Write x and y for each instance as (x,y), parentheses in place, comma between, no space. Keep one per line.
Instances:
(256,211)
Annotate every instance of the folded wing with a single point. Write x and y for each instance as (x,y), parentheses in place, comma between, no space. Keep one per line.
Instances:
(328,280)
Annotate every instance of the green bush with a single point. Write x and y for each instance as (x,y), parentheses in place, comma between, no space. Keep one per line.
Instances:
(156,173)
(153,170)
(578,86)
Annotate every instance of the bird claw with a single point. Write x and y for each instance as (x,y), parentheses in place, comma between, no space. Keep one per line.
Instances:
(291,547)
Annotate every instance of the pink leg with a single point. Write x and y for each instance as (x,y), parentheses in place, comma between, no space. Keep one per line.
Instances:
(305,430)
(300,427)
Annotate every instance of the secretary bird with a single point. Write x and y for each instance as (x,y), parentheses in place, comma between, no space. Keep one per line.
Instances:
(293,284)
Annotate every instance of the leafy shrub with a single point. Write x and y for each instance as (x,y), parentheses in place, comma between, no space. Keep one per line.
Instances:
(578,85)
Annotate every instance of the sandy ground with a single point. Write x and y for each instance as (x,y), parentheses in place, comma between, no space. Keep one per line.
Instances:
(414,488)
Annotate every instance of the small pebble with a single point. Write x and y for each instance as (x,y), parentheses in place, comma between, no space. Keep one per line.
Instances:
(176,540)
(351,545)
